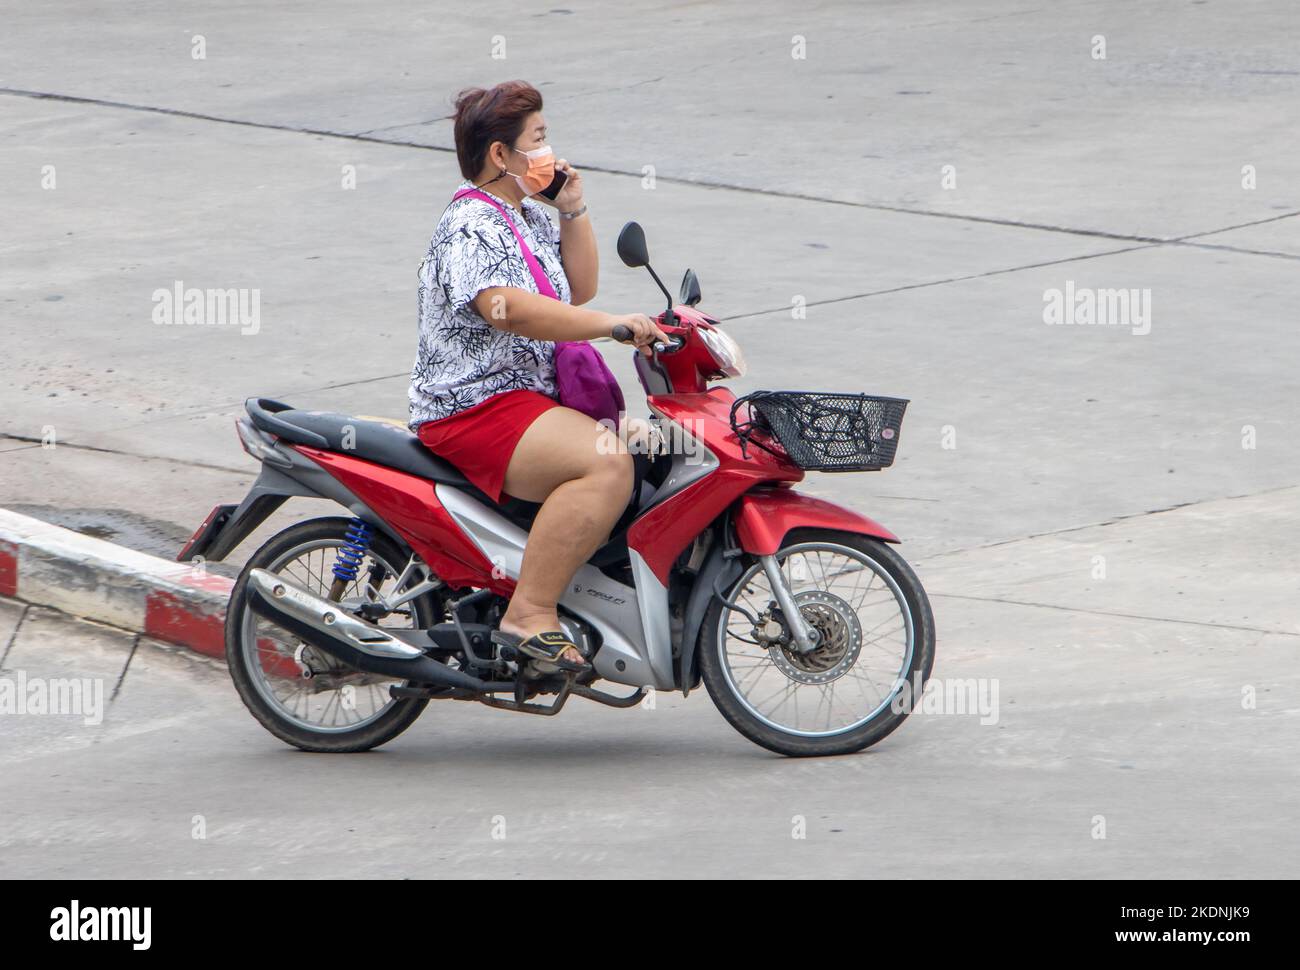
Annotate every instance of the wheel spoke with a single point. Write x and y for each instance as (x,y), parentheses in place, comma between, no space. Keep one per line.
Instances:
(865,636)
(318,704)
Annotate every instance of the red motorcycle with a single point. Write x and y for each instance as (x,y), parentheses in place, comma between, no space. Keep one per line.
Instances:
(811,634)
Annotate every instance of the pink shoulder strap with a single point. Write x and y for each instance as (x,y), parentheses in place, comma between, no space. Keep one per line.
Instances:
(544,286)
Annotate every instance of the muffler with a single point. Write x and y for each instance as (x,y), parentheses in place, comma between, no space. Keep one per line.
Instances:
(358,643)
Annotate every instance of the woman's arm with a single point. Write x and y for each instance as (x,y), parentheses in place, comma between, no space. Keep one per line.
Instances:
(539,317)
(578,254)
(577,239)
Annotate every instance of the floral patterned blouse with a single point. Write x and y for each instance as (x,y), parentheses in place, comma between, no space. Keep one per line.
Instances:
(463,360)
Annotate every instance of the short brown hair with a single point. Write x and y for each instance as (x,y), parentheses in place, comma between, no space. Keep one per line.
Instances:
(485,115)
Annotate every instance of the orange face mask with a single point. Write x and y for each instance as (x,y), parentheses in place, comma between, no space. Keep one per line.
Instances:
(541,170)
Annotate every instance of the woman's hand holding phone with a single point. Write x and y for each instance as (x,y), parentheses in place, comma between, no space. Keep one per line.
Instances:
(565,190)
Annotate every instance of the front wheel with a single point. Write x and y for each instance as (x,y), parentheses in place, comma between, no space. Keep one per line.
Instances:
(874,650)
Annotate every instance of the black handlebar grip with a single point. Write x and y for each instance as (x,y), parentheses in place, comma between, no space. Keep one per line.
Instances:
(622,333)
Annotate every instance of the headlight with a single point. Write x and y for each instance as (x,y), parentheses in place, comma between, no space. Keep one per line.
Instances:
(725,351)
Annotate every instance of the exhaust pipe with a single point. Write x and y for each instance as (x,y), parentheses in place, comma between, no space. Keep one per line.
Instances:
(357,642)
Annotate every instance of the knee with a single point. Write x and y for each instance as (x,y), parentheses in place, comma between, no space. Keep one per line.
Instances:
(613,475)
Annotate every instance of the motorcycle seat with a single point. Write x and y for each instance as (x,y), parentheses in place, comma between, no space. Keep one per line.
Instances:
(386,444)
(377,441)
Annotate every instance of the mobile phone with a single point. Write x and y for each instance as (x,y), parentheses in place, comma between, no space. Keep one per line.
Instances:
(557,183)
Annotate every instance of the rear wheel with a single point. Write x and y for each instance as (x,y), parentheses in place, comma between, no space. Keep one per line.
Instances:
(875,646)
(336,708)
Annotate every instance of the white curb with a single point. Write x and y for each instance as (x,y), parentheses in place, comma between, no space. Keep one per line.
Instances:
(48,565)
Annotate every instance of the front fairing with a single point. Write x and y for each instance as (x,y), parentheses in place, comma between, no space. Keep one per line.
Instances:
(686,370)
(717,471)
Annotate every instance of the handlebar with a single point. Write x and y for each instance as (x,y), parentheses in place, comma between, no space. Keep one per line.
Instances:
(623,334)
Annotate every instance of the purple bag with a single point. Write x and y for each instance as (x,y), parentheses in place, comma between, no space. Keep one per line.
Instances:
(582,378)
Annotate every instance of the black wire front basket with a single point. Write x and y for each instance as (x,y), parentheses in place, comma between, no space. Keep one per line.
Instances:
(823,432)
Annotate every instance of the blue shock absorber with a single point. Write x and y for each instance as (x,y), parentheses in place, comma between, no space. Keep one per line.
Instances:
(353,551)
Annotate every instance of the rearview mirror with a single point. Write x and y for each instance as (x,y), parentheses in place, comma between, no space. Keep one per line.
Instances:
(631,246)
(690,292)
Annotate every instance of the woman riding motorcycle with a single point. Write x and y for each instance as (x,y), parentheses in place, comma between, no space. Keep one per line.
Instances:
(483,390)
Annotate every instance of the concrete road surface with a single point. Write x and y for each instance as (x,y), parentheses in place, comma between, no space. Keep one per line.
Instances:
(876,196)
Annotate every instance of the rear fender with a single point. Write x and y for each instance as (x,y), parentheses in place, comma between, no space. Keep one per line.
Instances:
(229,525)
(764,517)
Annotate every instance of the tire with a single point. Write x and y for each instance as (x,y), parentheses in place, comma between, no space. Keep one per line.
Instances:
(726,695)
(392,720)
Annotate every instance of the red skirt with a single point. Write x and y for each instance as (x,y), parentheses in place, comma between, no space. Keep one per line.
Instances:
(480,440)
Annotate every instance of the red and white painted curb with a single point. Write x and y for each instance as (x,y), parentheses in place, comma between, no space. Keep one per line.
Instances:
(47,565)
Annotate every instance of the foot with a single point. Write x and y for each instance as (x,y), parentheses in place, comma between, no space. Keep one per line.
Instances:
(534,626)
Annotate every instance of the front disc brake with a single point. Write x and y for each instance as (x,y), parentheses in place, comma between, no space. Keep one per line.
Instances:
(838,645)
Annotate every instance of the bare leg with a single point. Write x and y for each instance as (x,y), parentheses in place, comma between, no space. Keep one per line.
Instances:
(574,467)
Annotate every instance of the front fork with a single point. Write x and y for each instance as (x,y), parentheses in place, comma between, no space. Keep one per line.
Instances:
(805,637)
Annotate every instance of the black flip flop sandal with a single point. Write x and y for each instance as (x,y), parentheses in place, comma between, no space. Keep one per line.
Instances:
(545,647)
